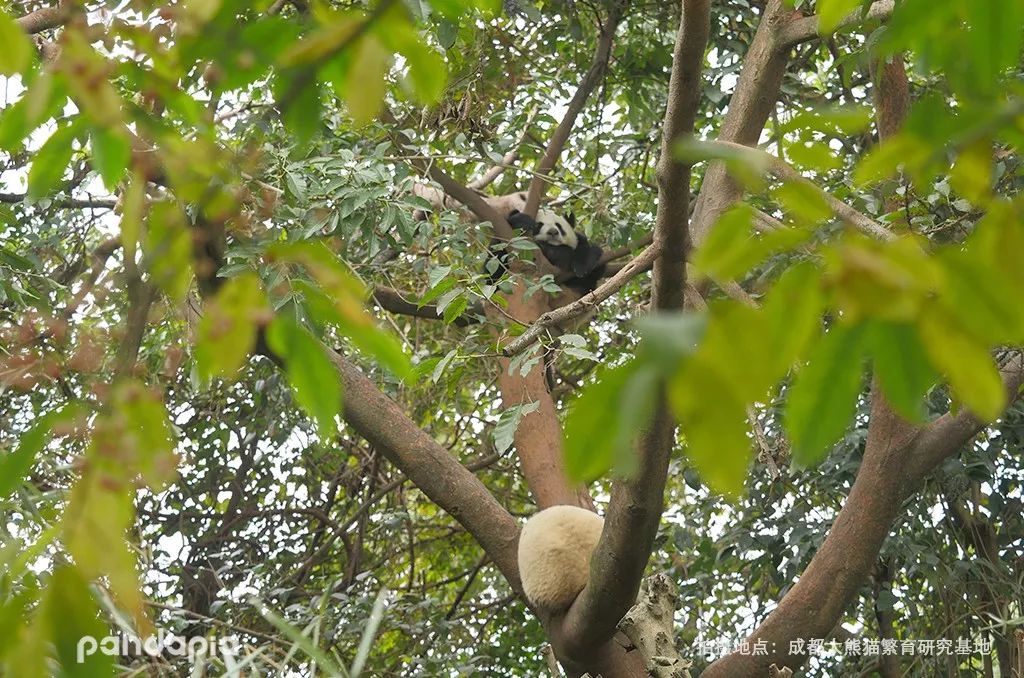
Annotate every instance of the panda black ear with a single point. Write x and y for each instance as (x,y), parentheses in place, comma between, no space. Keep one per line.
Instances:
(572,220)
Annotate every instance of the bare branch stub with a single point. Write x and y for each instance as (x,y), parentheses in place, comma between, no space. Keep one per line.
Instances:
(650,625)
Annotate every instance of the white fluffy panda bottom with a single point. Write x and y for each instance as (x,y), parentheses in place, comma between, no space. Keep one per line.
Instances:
(554,555)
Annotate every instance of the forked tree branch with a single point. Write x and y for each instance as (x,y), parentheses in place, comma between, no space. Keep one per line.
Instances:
(897,459)
(634,511)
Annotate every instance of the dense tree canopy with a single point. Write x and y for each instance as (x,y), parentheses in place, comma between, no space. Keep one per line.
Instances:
(260,379)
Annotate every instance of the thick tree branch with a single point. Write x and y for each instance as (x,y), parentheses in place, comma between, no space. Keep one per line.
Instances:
(68,203)
(897,458)
(45,18)
(594,75)
(392,300)
(749,107)
(806,28)
(634,512)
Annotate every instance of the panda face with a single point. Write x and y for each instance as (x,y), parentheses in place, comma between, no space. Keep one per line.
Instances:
(555,229)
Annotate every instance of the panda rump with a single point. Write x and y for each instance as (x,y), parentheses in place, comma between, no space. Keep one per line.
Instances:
(554,555)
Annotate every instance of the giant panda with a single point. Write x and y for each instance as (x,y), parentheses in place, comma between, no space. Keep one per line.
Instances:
(554,555)
(578,261)
(567,249)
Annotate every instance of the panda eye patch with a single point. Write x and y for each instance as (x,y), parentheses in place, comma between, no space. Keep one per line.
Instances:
(560,229)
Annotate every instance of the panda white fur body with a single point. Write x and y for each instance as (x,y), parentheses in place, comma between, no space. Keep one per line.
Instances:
(554,555)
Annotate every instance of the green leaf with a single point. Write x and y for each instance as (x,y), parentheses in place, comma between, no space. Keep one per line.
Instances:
(636,405)
(302,113)
(14,125)
(713,420)
(312,375)
(339,301)
(447,32)
(803,202)
(594,427)
(15,465)
(227,332)
(111,152)
(50,161)
(668,337)
(301,640)
(17,52)
(995,38)
(832,12)
(723,253)
(427,73)
(902,367)
(823,397)
(883,161)
(168,249)
(367,337)
(965,361)
(505,430)
(454,310)
(73,614)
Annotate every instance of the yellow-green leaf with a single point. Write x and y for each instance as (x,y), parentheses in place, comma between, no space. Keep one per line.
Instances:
(168,249)
(364,91)
(714,423)
(339,301)
(100,511)
(965,361)
(803,202)
(17,51)
(73,615)
(832,12)
(132,204)
(228,329)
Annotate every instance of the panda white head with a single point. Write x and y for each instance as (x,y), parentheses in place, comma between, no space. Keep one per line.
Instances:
(555,229)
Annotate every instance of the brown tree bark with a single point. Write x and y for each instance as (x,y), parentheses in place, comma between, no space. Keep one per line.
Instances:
(634,512)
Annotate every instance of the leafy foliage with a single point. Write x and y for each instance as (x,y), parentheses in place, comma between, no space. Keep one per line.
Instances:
(157,469)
